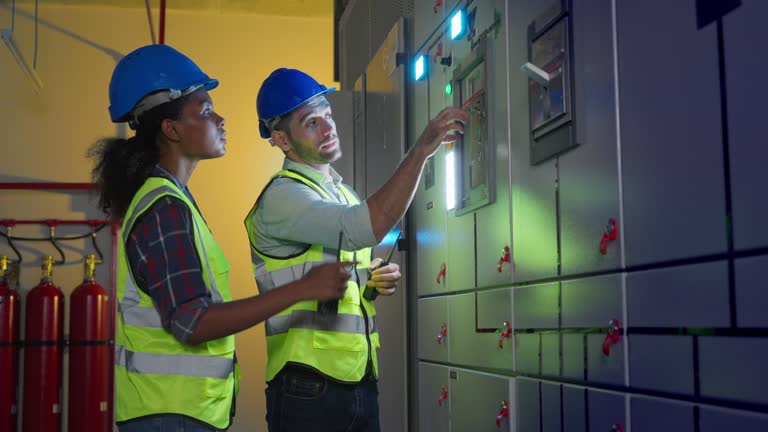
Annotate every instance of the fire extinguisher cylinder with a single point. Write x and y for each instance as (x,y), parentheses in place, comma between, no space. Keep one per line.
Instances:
(43,343)
(9,350)
(88,354)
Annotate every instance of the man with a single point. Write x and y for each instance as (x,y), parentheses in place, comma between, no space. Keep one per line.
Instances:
(322,362)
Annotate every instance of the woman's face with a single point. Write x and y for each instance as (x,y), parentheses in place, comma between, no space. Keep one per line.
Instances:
(200,129)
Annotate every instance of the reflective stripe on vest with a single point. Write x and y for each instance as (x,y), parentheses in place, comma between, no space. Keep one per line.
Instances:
(311,320)
(177,364)
(282,276)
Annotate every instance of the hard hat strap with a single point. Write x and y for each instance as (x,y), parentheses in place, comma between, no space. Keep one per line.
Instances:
(157,98)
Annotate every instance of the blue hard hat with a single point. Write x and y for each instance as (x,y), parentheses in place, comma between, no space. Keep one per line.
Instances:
(147,70)
(284,91)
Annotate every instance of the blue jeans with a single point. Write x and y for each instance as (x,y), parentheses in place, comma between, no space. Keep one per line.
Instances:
(301,400)
(165,423)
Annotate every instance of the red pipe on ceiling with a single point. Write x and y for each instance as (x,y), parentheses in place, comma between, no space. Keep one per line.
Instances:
(52,222)
(162,22)
(47,186)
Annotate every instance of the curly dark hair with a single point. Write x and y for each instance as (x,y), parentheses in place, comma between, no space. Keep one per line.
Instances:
(121,166)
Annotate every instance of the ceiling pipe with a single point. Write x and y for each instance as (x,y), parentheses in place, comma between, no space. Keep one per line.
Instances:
(47,186)
(162,22)
(149,18)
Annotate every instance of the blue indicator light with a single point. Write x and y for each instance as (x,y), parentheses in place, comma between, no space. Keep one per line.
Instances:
(457,24)
(420,68)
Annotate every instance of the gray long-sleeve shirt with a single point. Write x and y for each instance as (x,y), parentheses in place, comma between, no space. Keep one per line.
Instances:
(292,215)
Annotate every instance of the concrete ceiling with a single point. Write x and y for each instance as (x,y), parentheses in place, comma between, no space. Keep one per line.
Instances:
(296,8)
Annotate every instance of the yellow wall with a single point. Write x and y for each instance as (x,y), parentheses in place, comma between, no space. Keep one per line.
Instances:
(43,137)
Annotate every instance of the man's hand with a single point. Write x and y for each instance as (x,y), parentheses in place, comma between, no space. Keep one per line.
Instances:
(384,279)
(444,128)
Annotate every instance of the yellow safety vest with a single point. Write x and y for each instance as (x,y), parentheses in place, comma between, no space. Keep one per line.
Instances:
(338,346)
(154,372)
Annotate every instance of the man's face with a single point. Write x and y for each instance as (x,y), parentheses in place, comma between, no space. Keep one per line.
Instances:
(312,133)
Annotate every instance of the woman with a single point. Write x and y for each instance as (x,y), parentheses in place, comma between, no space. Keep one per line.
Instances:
(175,365)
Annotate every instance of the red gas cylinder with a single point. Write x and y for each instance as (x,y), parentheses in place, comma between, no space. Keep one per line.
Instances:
(43,337)
(88,354)
(9,350)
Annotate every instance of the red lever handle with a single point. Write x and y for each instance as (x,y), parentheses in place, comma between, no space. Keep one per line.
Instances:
(612,337)
(617,428)
(609,235)
(443,396)
(505,258)
(504,413)
(443,333)
(442,273)
(437,3)
(506,332)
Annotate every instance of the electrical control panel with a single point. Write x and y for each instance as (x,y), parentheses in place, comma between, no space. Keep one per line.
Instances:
(471,156)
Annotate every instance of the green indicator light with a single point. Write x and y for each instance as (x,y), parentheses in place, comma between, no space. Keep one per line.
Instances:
(448,89)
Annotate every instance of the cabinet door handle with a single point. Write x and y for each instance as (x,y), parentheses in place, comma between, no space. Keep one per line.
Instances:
(503,413)
(506,257)
(443,396)
(506,332)
(442,273)
(609,234)
(437,3)
(612,336)
(443,333)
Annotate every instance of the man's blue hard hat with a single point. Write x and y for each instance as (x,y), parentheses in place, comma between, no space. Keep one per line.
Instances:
(282,92)
(150,69)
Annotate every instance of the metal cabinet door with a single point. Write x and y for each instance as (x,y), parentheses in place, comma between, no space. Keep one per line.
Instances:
(427,15)
(434,330)
(478,398)
(734,368)
(661,363)
(671,137)
(660,415)
(718,420)
(606,411)
(573,356)
(528,353)
(751,292)
(588,175)
(528,407)
(537,307)
(493,222)
(534,215)
(686,296)
(589,303)
(428,207)
(434,398)
(574,412)
(741,28)
(476,323)
(551,419)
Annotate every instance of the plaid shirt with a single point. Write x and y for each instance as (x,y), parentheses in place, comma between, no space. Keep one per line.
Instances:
(163,259)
